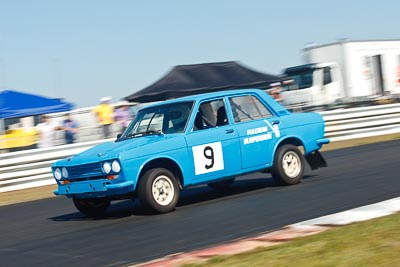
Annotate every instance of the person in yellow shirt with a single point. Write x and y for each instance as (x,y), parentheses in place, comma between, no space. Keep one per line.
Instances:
(105,115)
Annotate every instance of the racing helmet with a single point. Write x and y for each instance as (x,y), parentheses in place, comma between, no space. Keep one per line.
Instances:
(179,114)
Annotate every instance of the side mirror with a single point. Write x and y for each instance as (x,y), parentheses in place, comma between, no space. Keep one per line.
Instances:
(119,136)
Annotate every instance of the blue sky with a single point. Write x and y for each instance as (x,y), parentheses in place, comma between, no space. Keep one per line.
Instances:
(84,50)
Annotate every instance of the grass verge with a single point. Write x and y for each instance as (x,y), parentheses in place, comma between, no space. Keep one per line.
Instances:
(25,195)
(360,141)
(370,243)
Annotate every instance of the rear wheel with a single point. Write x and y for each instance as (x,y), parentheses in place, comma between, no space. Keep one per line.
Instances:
(288,166)
(158,190)
(92,206)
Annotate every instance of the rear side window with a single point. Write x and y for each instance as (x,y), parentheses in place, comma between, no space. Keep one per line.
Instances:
(247,108)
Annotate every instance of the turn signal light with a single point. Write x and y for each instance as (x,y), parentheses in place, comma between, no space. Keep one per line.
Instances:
(112,177)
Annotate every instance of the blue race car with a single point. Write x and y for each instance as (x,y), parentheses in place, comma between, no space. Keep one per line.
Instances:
(201,139)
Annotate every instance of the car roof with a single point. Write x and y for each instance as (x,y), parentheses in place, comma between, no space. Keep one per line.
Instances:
(198,97)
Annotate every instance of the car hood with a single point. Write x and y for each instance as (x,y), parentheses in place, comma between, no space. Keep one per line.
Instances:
(112,150)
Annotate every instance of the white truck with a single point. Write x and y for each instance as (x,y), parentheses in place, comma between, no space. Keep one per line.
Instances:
(346,71)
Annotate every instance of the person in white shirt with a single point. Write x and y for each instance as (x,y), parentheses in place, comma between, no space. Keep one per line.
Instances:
(46,131)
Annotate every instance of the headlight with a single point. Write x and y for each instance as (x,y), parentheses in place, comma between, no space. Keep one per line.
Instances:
(115,166)
(57,174)
(106,167)
(64,172)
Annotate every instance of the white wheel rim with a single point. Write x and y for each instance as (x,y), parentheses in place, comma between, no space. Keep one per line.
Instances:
(291,164)
(163,190)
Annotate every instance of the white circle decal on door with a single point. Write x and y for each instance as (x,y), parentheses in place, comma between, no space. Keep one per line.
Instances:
(208,158)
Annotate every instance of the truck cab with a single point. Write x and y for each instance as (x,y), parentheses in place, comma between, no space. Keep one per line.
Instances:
(312,85)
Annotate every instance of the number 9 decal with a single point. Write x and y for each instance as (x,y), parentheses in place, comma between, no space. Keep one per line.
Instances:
(209,154)
(208,158)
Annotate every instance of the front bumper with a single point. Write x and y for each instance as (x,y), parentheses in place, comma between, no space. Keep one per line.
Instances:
(95,188)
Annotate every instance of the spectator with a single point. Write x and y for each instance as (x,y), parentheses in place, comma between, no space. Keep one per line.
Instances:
(275,91)
(104,113)
(123,116)
(46,130)
(70,128)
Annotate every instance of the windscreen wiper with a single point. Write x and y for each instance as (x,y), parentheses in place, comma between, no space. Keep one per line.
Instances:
(144,133)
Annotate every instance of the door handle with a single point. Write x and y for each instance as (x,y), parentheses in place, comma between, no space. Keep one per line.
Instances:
(276,122)
(229,131)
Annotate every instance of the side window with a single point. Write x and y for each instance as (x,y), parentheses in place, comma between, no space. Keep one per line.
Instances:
(246,108)
(327,75)
(210,114)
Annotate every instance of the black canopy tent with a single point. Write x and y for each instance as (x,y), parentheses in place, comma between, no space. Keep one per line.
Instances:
(201,78)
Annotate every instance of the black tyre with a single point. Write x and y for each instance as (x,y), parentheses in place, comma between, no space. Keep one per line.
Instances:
(92,207)
(222,185)
(158,190)
(288,166)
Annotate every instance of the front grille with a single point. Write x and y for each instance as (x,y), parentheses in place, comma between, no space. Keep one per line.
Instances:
(85,171)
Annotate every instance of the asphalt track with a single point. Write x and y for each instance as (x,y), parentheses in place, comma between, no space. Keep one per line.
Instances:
(51,233)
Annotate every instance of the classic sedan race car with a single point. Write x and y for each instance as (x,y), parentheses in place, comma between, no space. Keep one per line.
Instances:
(201,139)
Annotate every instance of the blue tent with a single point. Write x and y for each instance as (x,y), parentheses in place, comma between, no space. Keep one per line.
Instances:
(17,104)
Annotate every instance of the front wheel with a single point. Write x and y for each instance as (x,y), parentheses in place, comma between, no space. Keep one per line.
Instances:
(288,166)
(93,207)
(158,190)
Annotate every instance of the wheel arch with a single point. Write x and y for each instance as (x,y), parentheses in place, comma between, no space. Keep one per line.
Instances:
(291,140)
(166,163)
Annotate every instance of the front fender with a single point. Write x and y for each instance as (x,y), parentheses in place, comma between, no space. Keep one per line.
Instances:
(137,167)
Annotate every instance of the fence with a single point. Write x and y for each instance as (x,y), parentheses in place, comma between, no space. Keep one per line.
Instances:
(31,168)
(354,123)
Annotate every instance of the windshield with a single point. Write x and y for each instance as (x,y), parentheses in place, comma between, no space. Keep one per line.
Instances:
(300,80)
(163,119)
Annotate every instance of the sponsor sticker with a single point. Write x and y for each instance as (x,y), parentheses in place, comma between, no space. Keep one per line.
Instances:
(260,134)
